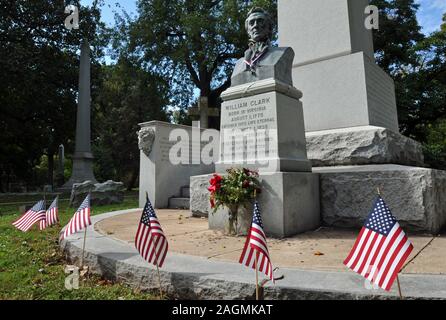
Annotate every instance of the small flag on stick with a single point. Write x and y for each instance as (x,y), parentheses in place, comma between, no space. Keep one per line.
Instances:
(255,252)
(33,215)
(80,220)
(150,240)
(51,215)
(381,248)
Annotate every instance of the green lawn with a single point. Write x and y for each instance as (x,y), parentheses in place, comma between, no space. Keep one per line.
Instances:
(32,266)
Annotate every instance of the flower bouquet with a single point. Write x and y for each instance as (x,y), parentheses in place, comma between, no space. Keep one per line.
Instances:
(235,192)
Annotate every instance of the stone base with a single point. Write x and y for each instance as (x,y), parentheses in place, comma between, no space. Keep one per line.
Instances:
(416,196)
(82,170)
(289,204)
(362,146)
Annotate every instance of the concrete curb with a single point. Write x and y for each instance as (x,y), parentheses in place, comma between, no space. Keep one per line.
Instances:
(191,277)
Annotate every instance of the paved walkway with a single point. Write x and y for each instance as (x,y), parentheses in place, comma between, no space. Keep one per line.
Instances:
(203,264)
(324,249)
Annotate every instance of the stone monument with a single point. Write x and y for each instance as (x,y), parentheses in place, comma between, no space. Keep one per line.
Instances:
(83,158)
(351,119)
(262,128)
(346,95)
(166,182)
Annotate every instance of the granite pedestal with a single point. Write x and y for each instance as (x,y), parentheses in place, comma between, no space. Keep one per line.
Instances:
(290,191)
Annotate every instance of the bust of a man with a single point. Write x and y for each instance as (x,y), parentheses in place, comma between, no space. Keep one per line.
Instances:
(262,61)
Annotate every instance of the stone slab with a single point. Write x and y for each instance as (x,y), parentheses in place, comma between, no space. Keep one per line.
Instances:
(416,196)
(361,146)
(159,176)
(199,195)
(289,202)
(347,91)
(109,192)
(192,277)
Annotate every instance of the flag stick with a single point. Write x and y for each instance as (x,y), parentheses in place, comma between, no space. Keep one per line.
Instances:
(397,276)
(257,277)
(159,278)
(157,268)
(85,239)
(83,248)
(255,261)
(399,287)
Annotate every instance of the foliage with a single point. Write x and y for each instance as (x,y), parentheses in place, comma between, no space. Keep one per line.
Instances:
(435,146)
(127,95)
(237,188)
(191,43)
(38,82)
(32,266)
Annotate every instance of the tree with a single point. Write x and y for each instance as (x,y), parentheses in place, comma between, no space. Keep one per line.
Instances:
(193,43)
(128,95)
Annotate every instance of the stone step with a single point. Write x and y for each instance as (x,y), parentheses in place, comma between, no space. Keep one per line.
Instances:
(185,192)
(179,203)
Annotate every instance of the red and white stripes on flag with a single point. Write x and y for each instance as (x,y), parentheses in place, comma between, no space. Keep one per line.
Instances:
(256,248)
(150,240)
(51,215)
(381,249)
(33,215)
(80,220)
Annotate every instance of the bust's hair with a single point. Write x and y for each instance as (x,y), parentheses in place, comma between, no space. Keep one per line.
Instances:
(269,20)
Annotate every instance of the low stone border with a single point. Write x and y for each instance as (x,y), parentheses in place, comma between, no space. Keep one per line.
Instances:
(192,277)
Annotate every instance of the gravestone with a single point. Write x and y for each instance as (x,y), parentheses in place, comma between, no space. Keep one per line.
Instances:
(345,93)
(262,128)
(351,119)
(159,176)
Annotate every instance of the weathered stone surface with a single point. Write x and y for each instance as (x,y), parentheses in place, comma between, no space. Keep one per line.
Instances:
(361,146)
(163,176)
(109,192)
(190,277)
(416,196)
(199,195)
(289,203)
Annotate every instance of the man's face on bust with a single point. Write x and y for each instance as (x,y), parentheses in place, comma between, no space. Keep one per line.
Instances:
(258,29)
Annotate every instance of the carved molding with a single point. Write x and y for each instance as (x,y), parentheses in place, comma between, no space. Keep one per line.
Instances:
(146,138)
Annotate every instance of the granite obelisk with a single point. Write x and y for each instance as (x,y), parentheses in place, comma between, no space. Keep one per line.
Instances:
(83,158)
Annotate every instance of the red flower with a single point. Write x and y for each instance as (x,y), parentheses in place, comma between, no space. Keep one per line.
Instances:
(214,188)
(215,180)
(245,184)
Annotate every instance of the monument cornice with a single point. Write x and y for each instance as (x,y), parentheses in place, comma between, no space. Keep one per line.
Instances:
(259,87)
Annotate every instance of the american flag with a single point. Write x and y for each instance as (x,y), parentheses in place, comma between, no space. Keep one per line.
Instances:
(256,248)
(150,240)
(80,220)
(51,217)
(381,249)
(33,215)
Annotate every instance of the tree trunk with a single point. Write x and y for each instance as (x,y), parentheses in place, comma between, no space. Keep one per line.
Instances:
(133,179)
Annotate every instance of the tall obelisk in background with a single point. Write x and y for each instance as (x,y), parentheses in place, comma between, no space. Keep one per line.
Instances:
(83,158)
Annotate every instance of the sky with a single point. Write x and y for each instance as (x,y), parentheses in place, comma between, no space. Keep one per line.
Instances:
(429,15)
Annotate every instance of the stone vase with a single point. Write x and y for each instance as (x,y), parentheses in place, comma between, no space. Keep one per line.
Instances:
(239,220)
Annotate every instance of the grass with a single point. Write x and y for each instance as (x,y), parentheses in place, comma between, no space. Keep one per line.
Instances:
(32,265)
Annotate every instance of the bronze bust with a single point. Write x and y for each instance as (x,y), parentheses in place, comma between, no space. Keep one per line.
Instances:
(262,61)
